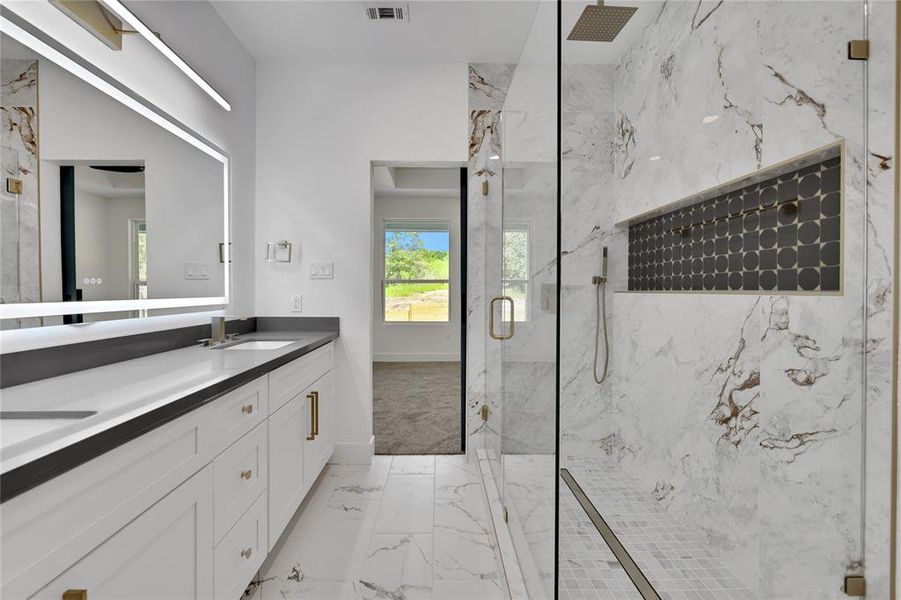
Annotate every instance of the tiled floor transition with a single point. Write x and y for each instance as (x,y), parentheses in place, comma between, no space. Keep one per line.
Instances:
(404,527)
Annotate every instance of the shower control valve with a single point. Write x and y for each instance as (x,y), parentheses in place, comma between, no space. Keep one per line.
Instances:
(598,279)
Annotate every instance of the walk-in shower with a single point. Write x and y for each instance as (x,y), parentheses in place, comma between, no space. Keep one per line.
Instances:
(726,156)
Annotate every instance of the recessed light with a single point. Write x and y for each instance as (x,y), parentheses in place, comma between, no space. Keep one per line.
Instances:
(494,157)
(654,158)
(709,119)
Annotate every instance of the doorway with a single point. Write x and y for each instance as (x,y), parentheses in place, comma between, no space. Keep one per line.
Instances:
(418,266)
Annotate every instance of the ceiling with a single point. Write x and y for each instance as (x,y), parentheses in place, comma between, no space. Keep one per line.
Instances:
(438,31)
(416,182)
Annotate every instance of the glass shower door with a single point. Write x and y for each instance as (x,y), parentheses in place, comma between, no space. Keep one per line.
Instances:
(525,271)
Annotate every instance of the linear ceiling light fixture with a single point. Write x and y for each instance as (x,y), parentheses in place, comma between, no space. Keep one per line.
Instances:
(129,17)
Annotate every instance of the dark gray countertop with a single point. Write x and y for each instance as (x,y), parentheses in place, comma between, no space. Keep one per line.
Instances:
(130,398)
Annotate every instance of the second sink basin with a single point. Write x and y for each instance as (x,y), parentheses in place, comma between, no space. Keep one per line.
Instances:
(259,345)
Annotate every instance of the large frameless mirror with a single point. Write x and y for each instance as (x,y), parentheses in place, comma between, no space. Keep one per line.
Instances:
(108,209)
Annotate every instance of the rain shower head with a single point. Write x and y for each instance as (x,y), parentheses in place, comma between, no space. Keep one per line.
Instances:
(601,23)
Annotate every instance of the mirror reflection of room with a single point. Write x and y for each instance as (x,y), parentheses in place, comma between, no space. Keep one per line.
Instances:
(95,199)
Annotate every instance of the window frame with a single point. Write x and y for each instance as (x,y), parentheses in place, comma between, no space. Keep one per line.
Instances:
(449,280)
(525,227)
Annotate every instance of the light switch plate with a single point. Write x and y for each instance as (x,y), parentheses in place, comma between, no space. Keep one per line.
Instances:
(197,271)
(322,270)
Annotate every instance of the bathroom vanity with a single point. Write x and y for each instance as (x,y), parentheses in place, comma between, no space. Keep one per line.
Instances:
(173,473)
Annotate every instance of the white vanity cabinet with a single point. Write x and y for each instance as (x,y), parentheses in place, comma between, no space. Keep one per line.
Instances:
(300,434)
(164,553)
(187,510)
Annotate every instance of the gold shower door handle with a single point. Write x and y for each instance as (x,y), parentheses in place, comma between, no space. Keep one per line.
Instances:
(491,319)
(312,435)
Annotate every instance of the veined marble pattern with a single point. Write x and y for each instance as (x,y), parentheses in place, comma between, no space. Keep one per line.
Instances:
(402,527)
(19,214)
(742,417)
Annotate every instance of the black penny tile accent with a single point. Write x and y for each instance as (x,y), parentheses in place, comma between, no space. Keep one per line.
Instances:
(782,234)
(787,279)
(808,233)
(829,279)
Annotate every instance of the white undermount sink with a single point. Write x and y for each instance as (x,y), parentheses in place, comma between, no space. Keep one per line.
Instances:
(259,345)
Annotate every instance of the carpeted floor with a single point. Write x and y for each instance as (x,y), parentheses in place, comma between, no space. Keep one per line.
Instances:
(416,407)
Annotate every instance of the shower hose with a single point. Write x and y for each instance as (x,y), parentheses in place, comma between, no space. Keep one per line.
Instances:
(601,314)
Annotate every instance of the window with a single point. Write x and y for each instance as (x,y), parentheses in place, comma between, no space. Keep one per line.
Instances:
(516,270)
(417,272)
(138,259)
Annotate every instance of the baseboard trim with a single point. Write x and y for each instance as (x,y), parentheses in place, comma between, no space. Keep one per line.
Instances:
(354,454)
(400,357)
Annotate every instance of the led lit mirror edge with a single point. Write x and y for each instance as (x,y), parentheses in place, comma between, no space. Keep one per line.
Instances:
(16,29)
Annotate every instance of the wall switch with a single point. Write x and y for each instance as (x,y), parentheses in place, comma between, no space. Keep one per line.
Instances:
(322,270)
(296,303)
(197,271)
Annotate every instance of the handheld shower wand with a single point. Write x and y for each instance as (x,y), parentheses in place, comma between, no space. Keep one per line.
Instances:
(600,284)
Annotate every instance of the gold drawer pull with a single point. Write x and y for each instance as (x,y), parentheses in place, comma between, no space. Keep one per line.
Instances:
(246,552)
(246,474)
(75,595)
(247,409)
(316,412)
(312,434)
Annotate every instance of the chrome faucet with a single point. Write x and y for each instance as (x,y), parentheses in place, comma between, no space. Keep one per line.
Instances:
(217,331)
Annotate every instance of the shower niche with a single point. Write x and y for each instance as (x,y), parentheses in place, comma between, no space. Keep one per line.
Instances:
(776,230)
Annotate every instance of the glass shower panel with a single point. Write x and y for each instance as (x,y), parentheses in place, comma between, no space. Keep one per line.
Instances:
(528,279)
(717,151)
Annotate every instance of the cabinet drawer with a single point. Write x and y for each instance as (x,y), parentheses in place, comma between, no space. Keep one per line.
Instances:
(47,529)
(163,553)
(240,475)
(240,554)
(239,411)
(288,381)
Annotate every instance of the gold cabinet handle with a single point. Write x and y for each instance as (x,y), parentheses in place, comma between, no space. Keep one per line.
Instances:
(316,413)
(491,319)
(75,595)
(246,552)
(312,434)
(247,409)
(246,474)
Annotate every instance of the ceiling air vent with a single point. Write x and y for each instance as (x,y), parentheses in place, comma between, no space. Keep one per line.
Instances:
(394,12)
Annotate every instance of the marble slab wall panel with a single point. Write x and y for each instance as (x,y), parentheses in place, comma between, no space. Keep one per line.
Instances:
(488,85)
(19,214)
(761,443)
(587,225)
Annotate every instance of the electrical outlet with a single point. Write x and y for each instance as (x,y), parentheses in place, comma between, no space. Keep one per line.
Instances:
(297,303)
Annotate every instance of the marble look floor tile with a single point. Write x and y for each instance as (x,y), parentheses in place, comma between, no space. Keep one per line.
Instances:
(337,544)
(489,589)
(413,465)
(464,556)
(397,566)
(407,505)
(463,515)
(306,590)
(357,481)
(456,477)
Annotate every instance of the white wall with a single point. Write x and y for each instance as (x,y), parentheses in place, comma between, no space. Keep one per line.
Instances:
(416,341)
(318,129)
(197,33)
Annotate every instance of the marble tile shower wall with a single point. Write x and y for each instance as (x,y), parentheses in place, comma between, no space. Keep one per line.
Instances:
(19,217)
(488,85)
(740,414)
